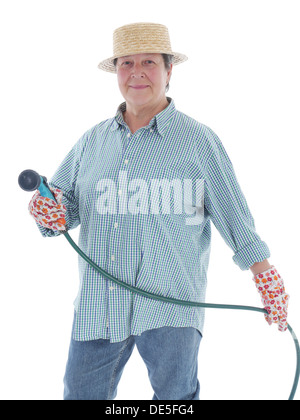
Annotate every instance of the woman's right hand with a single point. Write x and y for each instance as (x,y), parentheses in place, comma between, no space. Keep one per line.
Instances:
(47,212)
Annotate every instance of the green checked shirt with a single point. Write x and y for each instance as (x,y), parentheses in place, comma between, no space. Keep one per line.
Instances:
(144,203)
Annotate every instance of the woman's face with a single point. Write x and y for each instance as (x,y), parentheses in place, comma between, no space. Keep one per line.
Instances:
(143,79)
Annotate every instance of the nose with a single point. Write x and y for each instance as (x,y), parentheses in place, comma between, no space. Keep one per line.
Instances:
(137,71)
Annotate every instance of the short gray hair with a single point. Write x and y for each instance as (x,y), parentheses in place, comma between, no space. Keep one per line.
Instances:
(168,60)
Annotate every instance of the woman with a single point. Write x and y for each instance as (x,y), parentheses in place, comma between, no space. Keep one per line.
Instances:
(144,186)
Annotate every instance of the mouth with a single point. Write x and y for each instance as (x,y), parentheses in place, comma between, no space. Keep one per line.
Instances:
(139,87)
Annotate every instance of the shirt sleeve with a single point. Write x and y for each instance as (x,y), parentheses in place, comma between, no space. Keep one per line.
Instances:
(228,209)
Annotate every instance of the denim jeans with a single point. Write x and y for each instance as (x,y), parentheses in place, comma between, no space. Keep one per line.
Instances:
(94,368)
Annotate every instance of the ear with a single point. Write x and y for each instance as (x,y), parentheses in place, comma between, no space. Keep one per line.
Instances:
(169,73)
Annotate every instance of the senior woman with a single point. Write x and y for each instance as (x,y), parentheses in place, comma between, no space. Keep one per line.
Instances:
(144,187)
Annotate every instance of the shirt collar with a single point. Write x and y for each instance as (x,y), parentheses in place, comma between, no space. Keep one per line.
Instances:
(161,121)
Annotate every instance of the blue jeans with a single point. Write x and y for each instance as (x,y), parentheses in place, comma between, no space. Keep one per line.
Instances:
(94,368)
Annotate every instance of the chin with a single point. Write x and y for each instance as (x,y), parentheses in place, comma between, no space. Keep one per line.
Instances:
(139,99)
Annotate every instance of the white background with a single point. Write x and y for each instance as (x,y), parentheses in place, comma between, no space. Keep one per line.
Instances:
(242,80)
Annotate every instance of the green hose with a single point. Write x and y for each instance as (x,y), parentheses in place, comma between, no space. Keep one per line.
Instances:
(142,292)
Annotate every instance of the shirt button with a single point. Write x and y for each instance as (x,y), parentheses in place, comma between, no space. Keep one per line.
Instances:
(151,130)
(111,288)
(126,161)
(116,225)
(128,135)
(113,258)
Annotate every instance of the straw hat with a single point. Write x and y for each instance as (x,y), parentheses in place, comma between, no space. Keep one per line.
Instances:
(139,38)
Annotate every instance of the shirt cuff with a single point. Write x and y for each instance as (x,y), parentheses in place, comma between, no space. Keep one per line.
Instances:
(48,233)
(252,253)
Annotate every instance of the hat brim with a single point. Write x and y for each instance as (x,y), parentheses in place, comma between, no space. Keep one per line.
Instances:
(108,64)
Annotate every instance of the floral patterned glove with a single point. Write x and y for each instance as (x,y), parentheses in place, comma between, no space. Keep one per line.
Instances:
(271,288)
(47,212)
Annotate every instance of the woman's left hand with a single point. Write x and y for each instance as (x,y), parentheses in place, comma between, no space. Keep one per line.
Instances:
(274,298)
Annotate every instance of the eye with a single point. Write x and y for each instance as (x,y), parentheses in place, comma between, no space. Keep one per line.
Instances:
(149,62)
(126,63)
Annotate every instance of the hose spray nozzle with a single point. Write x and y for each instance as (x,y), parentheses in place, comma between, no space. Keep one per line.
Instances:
(30,180)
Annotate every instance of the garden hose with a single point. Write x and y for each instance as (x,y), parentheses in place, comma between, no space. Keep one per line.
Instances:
(138,291)
(30,180)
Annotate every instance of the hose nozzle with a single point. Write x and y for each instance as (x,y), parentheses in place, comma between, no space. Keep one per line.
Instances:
(30,180)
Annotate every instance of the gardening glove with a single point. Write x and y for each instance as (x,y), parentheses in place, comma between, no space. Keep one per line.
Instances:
(274,298)
(47,212)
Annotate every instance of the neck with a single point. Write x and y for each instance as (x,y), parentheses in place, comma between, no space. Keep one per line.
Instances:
(140,116)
